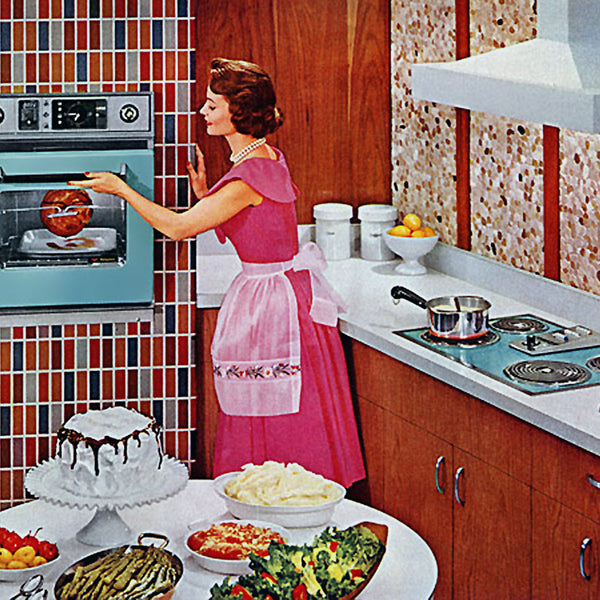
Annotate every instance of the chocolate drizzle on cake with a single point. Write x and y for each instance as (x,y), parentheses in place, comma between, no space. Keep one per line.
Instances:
(74,438)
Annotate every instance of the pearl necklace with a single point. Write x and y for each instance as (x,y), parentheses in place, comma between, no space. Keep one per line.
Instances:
(235,158)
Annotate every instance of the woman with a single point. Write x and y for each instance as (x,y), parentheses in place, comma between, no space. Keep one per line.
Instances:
(279,367)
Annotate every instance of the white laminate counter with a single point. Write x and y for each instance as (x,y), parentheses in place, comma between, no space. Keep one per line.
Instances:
(372,316)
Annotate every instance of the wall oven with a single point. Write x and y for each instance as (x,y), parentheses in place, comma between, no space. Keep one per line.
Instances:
(47,140)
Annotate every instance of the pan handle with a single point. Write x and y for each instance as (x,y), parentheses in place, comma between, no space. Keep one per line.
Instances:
(398,292)
(156,536)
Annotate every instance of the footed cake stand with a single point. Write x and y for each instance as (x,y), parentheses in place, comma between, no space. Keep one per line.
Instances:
(106,528)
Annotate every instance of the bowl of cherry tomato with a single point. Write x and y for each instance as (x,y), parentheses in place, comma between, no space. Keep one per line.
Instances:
(24,556)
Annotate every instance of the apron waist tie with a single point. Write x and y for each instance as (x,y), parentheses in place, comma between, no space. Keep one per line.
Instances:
(326,302)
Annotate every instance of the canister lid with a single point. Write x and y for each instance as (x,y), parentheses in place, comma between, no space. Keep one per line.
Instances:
(332,211)
(377,212)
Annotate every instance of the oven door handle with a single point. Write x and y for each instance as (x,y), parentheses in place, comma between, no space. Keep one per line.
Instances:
(52,177)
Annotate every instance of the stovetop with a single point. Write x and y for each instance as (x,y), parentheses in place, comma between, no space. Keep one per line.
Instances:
(525,352)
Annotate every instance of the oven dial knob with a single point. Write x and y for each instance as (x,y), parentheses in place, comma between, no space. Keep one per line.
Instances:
(129,113)
(2,115)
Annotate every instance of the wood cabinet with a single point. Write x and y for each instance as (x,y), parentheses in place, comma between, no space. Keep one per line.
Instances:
(492,532)
(449,472)
(413,459)
(566,520)
(565,552)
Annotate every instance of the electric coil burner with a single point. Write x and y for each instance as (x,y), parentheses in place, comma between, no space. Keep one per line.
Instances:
(593,363)
(549,372)
(518,325)
(516,351)
(489,337)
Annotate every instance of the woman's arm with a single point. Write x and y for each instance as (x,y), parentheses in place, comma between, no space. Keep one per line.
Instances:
(210,211)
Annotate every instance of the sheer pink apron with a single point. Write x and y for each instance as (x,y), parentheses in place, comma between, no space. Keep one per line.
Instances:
(256,346)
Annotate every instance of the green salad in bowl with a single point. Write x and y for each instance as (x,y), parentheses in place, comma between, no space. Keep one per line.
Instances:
(337,565)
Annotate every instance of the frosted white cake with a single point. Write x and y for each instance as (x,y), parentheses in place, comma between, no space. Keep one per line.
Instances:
(108,453)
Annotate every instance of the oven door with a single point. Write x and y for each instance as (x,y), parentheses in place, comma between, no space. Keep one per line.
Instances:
(109,262)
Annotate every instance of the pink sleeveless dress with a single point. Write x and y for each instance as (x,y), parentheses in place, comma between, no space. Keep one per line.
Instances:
(279,367)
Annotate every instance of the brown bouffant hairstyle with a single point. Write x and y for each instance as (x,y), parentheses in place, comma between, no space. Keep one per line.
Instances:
(250,94)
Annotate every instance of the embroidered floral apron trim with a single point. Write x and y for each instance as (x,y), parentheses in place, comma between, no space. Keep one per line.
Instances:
(258,371)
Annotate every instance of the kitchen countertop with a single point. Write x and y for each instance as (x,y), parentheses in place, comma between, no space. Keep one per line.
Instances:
(572,415)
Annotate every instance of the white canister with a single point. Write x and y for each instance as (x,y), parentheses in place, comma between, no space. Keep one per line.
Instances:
(333,229)
(375,220)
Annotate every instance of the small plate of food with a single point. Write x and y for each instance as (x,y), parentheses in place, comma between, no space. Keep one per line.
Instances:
(225,546)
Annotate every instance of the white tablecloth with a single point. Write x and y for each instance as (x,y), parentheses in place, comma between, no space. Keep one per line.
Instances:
(408,570)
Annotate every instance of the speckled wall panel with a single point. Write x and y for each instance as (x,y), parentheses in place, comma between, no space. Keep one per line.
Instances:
(580,210)
(48,373)
(423,138)
(506,155)
(506,191)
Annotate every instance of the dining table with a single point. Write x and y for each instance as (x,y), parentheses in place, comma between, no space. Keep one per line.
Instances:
(408,570)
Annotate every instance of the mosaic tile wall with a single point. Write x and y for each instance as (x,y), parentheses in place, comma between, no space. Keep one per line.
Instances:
(506,155)
(580,210)
(423,139)
(49,372)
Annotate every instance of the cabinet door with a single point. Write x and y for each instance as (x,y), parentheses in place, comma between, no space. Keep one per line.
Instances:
(412,496)
(561,567)
(566,473)
(492,532)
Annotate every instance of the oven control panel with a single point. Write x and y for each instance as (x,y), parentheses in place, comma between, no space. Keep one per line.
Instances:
(72,113)
(90,114)
(560,340)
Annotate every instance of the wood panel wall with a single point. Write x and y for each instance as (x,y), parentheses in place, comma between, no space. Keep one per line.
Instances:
(331,66)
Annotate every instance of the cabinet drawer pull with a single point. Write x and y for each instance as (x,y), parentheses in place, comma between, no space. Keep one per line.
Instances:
(438,465)
(459,473)
(594,482)
(584,545)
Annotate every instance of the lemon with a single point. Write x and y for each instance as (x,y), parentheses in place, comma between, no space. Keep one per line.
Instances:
(400,231)
(5,556)
(419,233)
(412,221)
(428,231)
(16,564)
(25,554)
(38,561)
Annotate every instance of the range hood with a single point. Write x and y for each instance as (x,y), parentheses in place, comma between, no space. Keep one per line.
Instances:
(553,79)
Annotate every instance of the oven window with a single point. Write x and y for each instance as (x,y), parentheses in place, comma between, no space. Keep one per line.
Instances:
(26,241)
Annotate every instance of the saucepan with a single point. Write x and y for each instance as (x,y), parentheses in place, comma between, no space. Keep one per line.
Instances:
(452,317)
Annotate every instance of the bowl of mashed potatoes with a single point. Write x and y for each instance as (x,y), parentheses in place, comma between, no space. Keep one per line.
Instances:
(284,494)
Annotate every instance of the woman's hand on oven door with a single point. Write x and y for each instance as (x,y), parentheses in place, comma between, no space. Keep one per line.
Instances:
(103,183)
(197,175)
